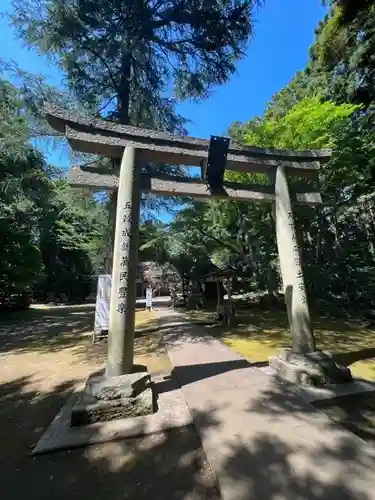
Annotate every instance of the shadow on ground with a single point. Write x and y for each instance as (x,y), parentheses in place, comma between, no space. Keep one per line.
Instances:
(355,412)
(45,329)
(62,336)
(163,466)
(58,328)
(273,465)
(171,465)
(318,480)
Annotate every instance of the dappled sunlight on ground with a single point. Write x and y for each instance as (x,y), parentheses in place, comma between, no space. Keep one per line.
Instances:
(44,354)
(51,345)
(260,334)
(142,317)
(155,466)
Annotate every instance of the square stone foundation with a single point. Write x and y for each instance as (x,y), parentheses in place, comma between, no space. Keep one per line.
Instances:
(311,369)
(108,398)
(171,412)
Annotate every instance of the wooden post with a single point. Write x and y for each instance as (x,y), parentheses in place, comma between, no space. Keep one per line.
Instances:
(124,274)
(229,292)
(218,293)
(291,270)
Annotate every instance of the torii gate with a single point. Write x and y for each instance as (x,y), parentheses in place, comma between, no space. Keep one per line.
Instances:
(135,147)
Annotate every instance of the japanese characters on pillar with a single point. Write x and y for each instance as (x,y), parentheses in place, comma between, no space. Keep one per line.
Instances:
(297,260)
(124,259)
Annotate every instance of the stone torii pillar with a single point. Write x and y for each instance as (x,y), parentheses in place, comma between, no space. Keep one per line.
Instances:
(291,269)
(302,363)
(124,272)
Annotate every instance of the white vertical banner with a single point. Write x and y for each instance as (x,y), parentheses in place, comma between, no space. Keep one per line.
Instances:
(103,298)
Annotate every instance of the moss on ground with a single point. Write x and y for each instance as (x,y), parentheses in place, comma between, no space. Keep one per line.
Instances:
(260,334)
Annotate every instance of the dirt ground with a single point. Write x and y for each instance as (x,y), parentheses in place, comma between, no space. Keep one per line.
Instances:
(43,355)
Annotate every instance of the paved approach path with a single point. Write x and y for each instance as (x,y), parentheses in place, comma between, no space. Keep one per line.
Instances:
(263,441)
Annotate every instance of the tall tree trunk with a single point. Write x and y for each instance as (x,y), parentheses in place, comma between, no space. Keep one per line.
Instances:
(123,99)
(318,248)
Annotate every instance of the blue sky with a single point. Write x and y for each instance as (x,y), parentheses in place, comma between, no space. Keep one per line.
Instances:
(283,33)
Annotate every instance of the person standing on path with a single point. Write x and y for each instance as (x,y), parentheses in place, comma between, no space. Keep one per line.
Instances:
(149,298)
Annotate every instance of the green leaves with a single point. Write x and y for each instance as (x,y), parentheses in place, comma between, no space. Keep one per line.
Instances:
(338,252)
(310,124)
(343,51)
(330,104)
(50,234)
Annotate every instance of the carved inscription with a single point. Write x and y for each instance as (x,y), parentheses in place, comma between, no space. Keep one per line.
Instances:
(127,218)
(122,291)
(297,260)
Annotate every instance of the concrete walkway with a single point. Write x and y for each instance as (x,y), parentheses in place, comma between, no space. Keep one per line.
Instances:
(263,441)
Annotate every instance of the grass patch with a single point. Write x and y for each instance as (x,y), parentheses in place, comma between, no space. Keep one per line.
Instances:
(143,317)
(260,334)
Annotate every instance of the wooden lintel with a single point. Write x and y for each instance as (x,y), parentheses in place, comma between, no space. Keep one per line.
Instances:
(184,154)
(185,187)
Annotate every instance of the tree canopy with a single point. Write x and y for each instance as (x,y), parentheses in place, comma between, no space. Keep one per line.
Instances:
(51,234)
(130,61)
(124,61)
(330,103)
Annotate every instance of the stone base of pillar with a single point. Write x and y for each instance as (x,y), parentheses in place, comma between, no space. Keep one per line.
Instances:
(109,398)
(311,369)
